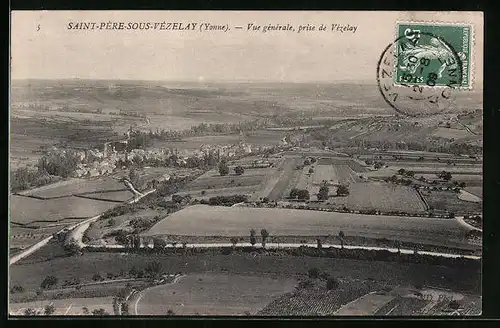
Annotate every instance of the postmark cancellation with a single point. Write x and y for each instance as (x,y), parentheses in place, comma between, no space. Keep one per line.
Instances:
(420,72)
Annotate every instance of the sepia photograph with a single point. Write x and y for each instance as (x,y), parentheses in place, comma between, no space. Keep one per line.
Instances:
(245,163)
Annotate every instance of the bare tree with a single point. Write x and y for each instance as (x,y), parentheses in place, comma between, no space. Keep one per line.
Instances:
(341,237)
(318,243)
(264,234)
(398,245)
(253,240)
(234,241)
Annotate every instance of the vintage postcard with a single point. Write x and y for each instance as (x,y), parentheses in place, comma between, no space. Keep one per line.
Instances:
(257,163)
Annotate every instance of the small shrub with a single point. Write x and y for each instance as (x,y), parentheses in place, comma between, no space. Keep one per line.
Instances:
(313,273)
(306,284)
(454,305)
(16,289)
(332,283)
(124,308)
(324,275)
(100,311)
(239,170)
(29,312)
(97,277)
(48,282)
(303,194)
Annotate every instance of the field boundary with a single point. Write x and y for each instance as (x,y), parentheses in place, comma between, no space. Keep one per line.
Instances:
(27,225)
(101,191)
(422,198)
(102,199)
(42,198)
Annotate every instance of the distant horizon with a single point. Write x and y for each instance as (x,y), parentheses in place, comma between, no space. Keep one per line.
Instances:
(477,87)
(195,81)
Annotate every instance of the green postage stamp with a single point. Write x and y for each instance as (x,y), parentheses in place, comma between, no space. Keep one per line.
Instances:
(433,54)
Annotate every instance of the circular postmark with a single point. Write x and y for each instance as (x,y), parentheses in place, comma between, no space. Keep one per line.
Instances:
(419,73)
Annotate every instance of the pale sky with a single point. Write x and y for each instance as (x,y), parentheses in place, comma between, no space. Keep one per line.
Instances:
(54,52)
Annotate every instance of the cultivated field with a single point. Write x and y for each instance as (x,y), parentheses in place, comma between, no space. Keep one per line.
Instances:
(318,301)
(75,187)
(442,164)
(148,173)
(386,172)
(448,201)
(392,130)
(24,150)
(280,181)
(21,237)
(249,172)
(384,197)
(478,191)
(36,130)
(468,197)
(335,174)
(306,181)
(73,306)
(405,154)
(297,179)
(399,306)
(449,133)
(353,164)
(251,191)
(211,183)
(228,181)
(24,210)
(368,304)
(111,196)
(366,298)
(325,173)
(439,168)
(469,179)
(202,220)
(213,294)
